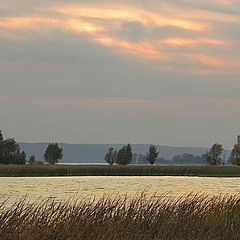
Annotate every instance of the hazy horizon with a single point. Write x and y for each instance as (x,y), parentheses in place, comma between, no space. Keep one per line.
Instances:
(113,144)
(157,72)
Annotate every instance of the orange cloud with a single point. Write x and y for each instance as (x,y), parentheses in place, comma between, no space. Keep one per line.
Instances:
(37,23)
(27,22)
(187,42)
(128,14)
(186,24)
(205,71)
(79,26)
(179,42)
(207,60)
(142,49)
(101,22)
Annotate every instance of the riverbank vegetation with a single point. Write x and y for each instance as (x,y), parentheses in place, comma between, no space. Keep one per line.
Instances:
(112,218)
(10,153)
(28,170)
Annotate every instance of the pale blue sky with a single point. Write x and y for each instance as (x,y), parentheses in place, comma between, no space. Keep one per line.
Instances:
(161,72)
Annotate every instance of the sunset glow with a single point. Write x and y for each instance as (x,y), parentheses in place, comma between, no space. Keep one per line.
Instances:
(102,23)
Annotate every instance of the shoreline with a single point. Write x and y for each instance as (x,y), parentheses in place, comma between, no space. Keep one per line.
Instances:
(116,170)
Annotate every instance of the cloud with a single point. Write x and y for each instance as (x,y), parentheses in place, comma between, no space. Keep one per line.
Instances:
(128,14)
(169,33)
(188,42)
(125,67)
(145,50)
(207,60)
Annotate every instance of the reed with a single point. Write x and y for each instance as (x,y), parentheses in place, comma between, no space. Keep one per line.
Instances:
(122,218)
(115,170)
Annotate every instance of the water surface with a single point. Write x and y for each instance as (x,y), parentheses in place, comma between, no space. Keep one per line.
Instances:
(65,187)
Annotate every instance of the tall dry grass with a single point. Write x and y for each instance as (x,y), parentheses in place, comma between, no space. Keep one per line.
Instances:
(120,218)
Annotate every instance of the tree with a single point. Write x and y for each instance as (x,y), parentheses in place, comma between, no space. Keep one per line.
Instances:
(10,152)
(152,154)
(111,156)
(1,146)
(214,154)
(121,156)
(1,136)
(53,153)
(129,155)
(124,155)
(20,157)
(235,155)
(189,158)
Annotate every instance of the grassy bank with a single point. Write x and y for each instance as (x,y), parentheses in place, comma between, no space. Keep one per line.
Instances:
(130,170)
(189,217)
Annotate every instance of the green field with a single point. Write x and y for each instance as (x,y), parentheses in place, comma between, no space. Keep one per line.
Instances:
(115,170)
(144,217)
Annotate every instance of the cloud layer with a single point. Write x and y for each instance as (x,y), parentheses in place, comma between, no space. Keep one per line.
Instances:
(128,66)
(169,33)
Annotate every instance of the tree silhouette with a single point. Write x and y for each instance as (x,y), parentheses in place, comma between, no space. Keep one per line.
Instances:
(152,154)
(10,152)
(53,153)
(214,154)
(124,155)
(235,155)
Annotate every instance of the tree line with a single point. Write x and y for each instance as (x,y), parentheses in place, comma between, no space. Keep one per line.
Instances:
(10,153)
(213,156)
(124,155)
(185,158)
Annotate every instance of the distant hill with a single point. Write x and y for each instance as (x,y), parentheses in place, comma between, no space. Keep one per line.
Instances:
(94,153)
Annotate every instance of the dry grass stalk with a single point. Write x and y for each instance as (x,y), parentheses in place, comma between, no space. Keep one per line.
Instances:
(120,218)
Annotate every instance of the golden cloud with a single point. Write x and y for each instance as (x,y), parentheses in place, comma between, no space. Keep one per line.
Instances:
(100,22)
(188,42)
(207,60)
(26,23)
(142,49)
(79,26)
(125,14)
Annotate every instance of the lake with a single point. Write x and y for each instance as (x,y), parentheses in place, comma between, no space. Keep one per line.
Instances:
(65,187)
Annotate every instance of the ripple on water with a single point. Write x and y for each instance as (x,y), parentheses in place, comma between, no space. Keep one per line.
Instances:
(65,187)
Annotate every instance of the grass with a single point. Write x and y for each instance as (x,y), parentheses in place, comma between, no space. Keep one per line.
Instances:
(105,170)
(120,218)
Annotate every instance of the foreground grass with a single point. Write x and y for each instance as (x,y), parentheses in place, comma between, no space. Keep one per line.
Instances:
(188,217)
(105,170)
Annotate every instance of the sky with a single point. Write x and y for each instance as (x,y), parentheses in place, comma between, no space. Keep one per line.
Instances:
(141,71)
